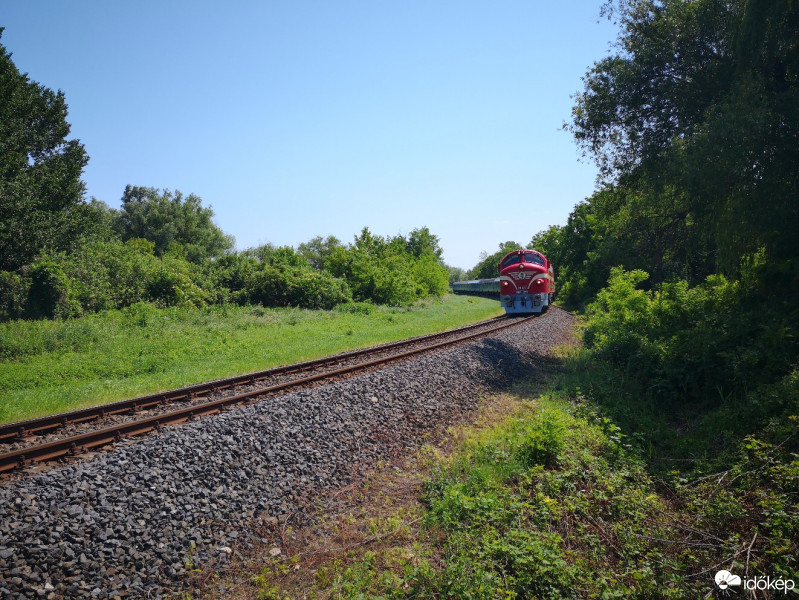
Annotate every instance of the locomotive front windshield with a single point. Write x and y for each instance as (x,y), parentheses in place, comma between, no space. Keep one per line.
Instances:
(511,260)
(530,257)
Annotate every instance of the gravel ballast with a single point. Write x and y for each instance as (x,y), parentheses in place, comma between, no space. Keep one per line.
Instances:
(132,521)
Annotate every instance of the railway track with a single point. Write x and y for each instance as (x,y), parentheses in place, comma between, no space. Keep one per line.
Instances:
(68,434)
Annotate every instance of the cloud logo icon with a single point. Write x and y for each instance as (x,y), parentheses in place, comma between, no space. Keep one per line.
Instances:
(725,579)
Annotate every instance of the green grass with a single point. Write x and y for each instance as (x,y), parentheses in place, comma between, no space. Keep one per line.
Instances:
(545,505)
(54,366)
(558,502)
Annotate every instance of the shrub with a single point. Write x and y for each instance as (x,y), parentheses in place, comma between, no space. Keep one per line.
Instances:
(102,275)
(689,344)
(432,278)
(302,287)
(168,286)
(387,270)
(50,292)
(111,274)
(230,277)
(14,291)
(308,288)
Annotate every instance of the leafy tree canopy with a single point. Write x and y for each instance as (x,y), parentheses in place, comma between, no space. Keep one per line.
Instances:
(318,251)
(390,270)
(487,267)
(456,274)
(421,242)
(41,193)
(167,219)
(694,120)
(674,60)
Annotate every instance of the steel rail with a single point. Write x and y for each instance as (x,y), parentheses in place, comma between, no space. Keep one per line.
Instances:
(14,431)
(86,441)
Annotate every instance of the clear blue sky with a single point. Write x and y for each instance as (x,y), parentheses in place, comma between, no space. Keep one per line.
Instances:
(296,119)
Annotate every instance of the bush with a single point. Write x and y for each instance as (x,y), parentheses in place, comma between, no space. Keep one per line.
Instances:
(50,292)
(316,289)
(14,291)
(432,278)
(230,277)
(618,323)
(386,281)
(392,271)
(690,344)
(103,275)
(111,274)
(168,286)
(301,287)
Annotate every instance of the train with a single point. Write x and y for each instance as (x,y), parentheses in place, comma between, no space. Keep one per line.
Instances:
(526,283)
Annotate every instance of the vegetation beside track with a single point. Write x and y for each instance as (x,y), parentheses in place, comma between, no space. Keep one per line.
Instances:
(54,366)
(547,497)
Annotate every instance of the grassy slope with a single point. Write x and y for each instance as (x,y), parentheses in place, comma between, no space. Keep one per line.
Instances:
(54,366)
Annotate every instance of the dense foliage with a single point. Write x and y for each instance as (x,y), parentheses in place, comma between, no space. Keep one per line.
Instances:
(169,220)
(687,259)
(41,193)
(694,125)
(695,128)
(690,346)
(106,273)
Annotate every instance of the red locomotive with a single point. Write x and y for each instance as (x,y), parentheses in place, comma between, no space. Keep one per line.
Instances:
(526,282)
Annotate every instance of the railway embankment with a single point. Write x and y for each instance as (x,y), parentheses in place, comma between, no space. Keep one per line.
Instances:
(134,521)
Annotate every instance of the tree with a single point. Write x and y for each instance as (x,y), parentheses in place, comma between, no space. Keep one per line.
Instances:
(374,269)
(99,219)
(394,270)
(695,121)
(278,256)
(456,274)
(167,219)
(421,242)
(318,251)
(41,192)
(487,267)
(674,61)
(431,276)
